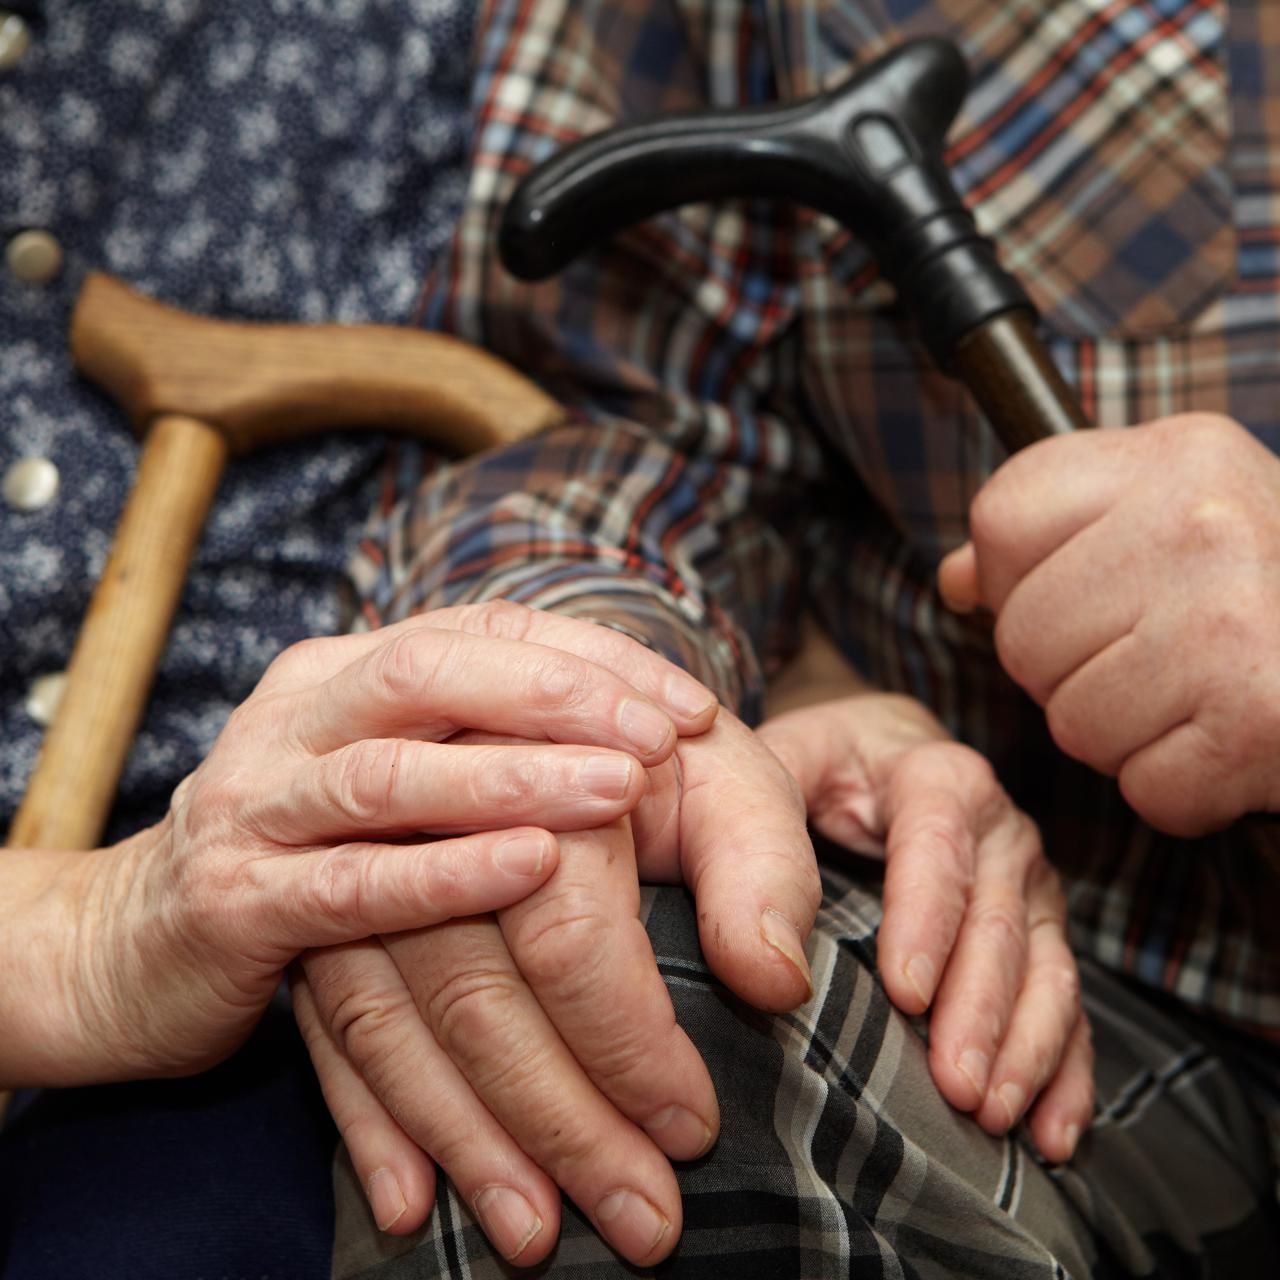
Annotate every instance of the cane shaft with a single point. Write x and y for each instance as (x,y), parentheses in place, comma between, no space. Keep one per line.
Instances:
(115,658)
(1009,373)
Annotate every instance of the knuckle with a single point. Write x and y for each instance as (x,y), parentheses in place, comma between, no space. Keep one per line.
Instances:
(1071,731)
(1185,810)
(1063,981)
(336,893)
(1040,1056)
(297,660)
(556,945)
(1015,640)
(560,681)
(498,619)
(213,898)
(362,779)
(1216,525)
(369,1026)
(503,783)
(472,1006)
(1001,919)
(1202,432)
(571,1146)
(944,841)
(402,668)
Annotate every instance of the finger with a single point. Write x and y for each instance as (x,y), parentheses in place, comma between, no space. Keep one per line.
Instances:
(984,974)
(1124,698)
(394,786)
(1075,603)
(747,857)
(691,705)
(1041,497)
(1179,785)
(429,682)
(1064,1109)
(1045,1015)
(938,803)
(376,1031)
(354,891)
(958,580)
(807,743)
(580,945)
(399,1180)
(490,1024)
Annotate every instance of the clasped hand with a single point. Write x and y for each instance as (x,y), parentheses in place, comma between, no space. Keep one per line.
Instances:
(1135,579)
(539,1050)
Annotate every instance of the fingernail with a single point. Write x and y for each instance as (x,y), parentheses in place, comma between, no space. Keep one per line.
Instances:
(1013,1098)
(509,1220)
(522,855)
(1071,1139)
(784,938)
(634,1226)
(689,698)
(679,1132)
(385,1199)
(975,1066)
(644,726)
(607,776)
(919,972)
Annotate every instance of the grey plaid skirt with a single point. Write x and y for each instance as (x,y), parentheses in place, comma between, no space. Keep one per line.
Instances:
(838,1157)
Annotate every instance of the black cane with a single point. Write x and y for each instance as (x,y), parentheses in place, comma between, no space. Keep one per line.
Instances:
(869,154)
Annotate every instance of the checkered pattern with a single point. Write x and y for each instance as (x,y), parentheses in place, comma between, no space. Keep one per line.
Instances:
(838,1157)
(759,431)
(756,432)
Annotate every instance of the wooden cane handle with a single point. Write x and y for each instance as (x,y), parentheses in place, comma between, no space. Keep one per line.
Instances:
(74,783)
(198,389)
(260,384)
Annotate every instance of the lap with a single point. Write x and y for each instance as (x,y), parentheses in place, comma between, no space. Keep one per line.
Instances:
(223,1174)
(837,1154)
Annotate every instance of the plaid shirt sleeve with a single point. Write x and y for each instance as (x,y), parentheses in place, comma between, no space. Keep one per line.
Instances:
(678,504)
(757,431)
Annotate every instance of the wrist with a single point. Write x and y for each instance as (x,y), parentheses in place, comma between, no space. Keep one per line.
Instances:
(38,1036)
(63,955)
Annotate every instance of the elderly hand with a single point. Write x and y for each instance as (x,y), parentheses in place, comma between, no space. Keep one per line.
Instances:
(542,1052)
(1135,578)
(317,820)
(974,921)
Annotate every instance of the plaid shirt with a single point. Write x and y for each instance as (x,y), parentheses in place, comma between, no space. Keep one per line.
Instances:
(757,432)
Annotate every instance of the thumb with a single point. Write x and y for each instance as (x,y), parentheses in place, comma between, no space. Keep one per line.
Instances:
(958,580)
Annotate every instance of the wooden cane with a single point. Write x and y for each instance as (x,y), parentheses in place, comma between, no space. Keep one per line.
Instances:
(198,390)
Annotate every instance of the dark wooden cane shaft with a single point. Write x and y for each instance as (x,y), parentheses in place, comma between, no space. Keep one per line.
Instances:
(1009,373)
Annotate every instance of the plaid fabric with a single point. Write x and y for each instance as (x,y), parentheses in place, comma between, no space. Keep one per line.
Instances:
(760,431)
(837,1156)
(757,432)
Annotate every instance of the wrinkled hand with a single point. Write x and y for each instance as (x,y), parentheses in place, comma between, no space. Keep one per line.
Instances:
(974,920)
(306,826)
(1135,578)
(542,1052)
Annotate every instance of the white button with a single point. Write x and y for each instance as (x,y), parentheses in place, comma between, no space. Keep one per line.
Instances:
(31,483)
(44,696)
(34,257)
(15,40)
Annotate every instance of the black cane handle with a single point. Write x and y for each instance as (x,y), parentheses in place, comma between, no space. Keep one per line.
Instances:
(868,153)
